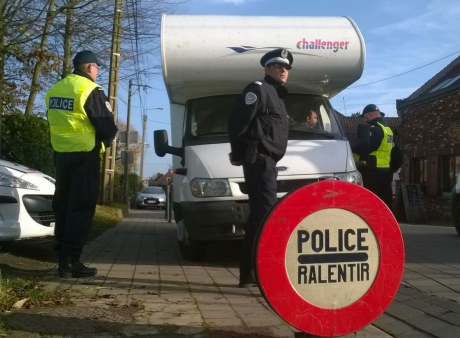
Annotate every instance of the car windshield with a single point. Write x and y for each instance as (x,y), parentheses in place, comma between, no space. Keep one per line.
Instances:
(208,118)
(153,190)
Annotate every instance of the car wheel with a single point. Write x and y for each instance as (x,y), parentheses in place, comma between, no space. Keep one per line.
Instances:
(457,218)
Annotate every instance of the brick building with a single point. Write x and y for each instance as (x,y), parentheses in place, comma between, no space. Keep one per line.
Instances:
(430,139)
(350,125)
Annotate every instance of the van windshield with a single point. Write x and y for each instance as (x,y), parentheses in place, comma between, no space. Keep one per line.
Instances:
(207,118)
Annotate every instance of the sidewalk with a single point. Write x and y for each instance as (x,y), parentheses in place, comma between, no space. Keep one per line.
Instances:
(145,289)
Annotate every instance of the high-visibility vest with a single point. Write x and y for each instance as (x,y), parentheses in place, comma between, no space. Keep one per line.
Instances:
(383,153)
(70,128)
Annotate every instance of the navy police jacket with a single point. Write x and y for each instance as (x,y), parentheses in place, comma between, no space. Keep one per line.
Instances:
(260,114)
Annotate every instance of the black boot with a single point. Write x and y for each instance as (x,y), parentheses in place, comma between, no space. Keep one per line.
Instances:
(247,281)
(73,268)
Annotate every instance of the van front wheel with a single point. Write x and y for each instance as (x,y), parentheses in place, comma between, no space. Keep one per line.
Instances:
(193,250)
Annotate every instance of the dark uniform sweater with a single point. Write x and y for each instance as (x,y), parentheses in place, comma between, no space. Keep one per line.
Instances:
(260,114)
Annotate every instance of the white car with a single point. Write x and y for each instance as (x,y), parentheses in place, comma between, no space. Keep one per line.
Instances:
(151,196)
(25,202)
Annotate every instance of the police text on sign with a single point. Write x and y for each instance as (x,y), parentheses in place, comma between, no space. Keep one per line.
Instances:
(349,265)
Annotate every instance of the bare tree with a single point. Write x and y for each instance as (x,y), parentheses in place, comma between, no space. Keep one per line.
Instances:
(39,37)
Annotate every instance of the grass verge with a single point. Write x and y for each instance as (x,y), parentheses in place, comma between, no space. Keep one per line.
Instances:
(106,217)
(18,293)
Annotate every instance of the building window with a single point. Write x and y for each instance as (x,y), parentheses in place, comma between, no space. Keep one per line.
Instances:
(450,172)
(446,83)
(421,173)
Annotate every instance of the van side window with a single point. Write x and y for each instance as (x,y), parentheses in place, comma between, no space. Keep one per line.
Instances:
(325,118)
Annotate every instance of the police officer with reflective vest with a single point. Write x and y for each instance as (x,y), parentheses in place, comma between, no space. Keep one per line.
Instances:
(376,155)
(81,126)
(258,130)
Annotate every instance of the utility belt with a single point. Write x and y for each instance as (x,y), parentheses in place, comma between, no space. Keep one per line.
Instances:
(253,153)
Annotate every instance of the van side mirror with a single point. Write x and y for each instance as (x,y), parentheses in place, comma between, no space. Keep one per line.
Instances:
(160,138)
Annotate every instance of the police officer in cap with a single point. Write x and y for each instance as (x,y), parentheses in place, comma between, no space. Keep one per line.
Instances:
(82,126)
(377,176)
(258,129)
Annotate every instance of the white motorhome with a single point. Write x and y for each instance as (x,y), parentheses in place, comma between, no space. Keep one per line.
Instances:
(206,62)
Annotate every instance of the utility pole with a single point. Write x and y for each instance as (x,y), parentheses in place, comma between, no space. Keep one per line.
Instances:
(108,163)
(125,190)
(144,127)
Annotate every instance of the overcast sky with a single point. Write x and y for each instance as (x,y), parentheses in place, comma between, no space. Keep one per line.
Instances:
(400,36)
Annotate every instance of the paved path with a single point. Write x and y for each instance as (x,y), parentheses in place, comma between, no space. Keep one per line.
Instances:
(145,289)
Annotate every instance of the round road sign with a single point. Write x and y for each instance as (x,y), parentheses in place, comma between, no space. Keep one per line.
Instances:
(330,258)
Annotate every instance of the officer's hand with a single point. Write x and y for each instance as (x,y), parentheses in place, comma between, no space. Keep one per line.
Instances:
(236,163)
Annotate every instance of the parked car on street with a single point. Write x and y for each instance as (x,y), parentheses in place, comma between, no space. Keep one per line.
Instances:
(455,204)
(151,196)
(26,195)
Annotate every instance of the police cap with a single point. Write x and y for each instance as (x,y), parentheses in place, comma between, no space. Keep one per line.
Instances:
(371,108)
(85,56)
(280,55)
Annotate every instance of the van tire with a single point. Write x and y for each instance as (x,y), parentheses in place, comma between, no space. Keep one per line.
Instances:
(194,250)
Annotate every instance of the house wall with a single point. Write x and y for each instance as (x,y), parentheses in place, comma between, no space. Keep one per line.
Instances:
(431,129)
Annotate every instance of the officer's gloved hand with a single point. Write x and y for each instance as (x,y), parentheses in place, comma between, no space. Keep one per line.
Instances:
(236,163)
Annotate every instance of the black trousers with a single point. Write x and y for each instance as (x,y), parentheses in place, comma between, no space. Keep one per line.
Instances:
(260,180)
(380,184)
(75,199)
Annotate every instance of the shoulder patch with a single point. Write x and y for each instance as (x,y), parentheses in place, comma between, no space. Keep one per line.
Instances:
(258,82)
(109,107)
(250,98)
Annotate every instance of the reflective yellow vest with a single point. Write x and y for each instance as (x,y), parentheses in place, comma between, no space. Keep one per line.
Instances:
(383,153)
(70,128)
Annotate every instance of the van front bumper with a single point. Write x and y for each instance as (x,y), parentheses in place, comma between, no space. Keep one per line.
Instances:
(209,221)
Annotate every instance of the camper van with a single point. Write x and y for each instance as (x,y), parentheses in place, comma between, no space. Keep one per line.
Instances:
(207,61)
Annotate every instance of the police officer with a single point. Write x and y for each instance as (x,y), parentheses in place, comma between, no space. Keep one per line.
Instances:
(81,127)
(376,155)
(258,129)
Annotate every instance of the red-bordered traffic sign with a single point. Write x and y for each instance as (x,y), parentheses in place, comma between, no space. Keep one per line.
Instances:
(330,258)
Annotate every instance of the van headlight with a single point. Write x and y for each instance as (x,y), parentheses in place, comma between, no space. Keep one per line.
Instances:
(14,182)
(351,176)
(203,187)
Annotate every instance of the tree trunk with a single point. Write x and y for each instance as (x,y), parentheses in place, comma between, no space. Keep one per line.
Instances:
(2,71)
(66,67)
(39,59)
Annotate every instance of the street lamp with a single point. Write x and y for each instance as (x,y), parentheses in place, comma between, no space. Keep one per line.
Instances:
(144,127)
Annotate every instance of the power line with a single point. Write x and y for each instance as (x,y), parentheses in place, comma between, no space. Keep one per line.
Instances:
(391,77)
(158,121)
